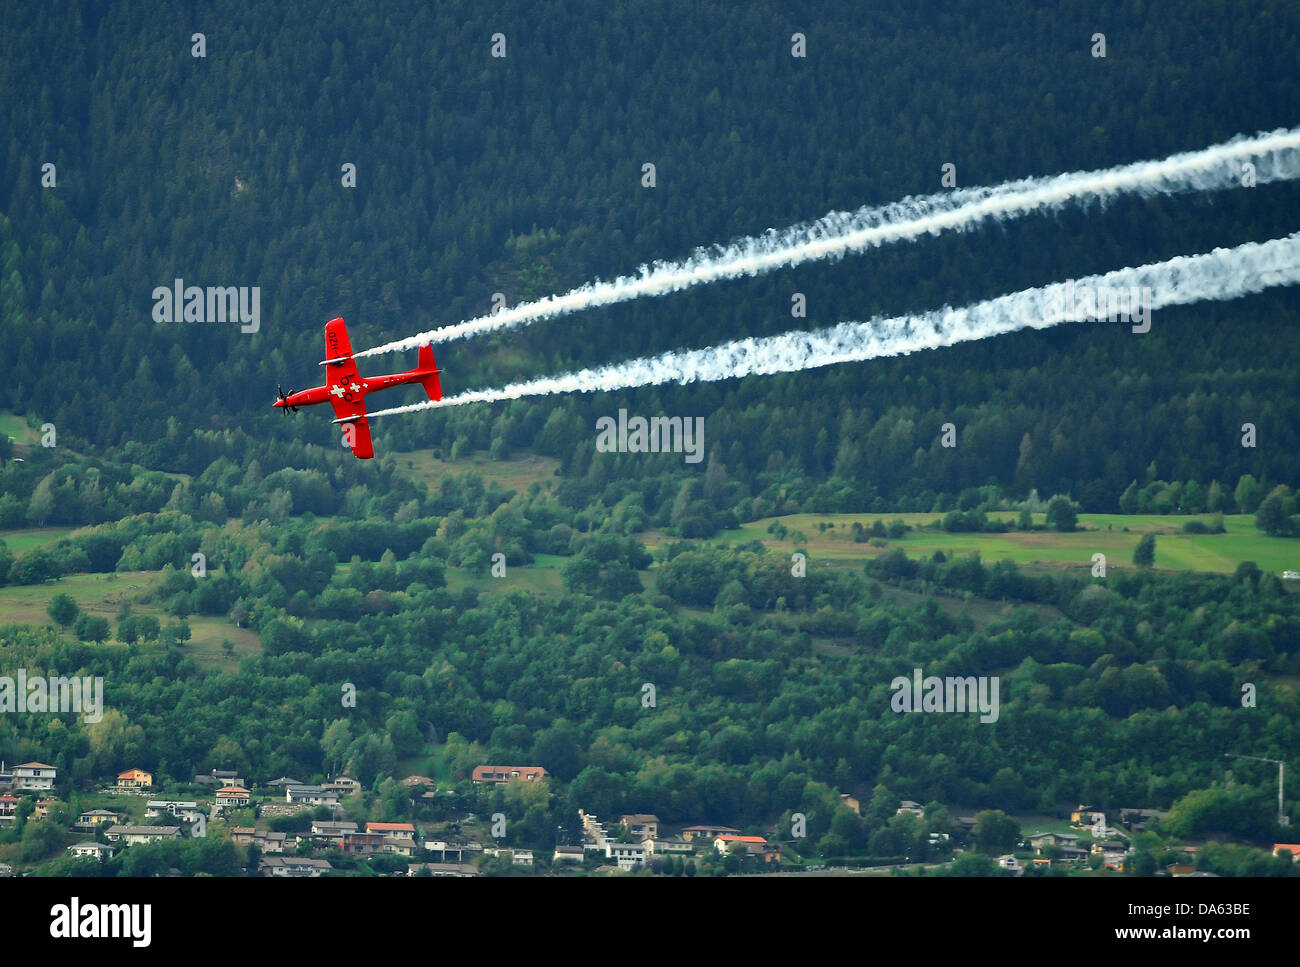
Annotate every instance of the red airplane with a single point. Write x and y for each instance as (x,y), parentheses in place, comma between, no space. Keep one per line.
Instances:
(346,389)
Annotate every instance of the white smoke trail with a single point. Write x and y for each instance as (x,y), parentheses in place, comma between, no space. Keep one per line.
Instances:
(1275,155)
(1219,275)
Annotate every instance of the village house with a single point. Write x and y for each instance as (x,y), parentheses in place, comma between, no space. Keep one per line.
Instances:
(362,844)
(442,869)
(756,846)
(232,797)
(593,829)
(1140,820)
(342,786)
(133,835)
(519,857)
(1111,851)
(98,850)
(628,856)
(1292,848)
(667,844)
(501,774)
(641,825)
(328,832)
(267,842)
(42,809)
(135,779)
(1040,841)
(451,852)
(567,854)
(297,866)
(311,795)
(34,777)
(92,818)
(187,811)
(227,777)
(402,831)
(272,842)
(707,832)
(284,781)
(399,847)
(8,807)
(909,807)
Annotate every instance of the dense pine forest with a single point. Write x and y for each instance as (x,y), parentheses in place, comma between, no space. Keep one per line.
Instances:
(522,175)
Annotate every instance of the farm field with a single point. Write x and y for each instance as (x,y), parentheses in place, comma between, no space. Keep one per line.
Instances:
(1114,535)
(515,474)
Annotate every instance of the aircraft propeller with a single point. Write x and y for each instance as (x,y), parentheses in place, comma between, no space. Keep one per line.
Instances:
(284,399)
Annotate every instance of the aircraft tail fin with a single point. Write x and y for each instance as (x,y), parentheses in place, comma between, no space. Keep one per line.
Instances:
(428,367)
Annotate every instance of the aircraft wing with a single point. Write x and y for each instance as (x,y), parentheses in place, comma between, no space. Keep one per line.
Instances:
(357,432)
(356,428)
(347,391)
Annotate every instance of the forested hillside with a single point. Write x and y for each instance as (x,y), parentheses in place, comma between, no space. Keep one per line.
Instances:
(521,175)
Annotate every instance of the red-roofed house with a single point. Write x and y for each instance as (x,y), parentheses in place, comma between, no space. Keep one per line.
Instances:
(1292,848)
(231,796)
(756,846)
(506,773)
(135,779)
(396,830)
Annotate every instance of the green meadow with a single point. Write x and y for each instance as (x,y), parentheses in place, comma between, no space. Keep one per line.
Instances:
(1114,535)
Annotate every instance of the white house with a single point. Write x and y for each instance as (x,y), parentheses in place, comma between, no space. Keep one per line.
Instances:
(667,844)
(628,856)
(188,811)
(97,850)
(232,796)
(298,866)
(311,795)
(34,776)
(133,835)
(343,786)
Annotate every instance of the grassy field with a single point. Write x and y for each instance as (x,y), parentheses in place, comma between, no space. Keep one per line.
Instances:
(514,474)
(15,427)
(22,541)
(542,578)
(95,594)
(102,594)
(1114,535)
